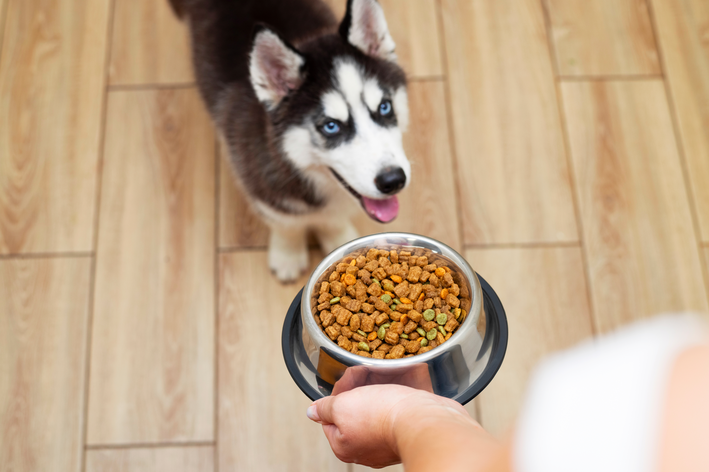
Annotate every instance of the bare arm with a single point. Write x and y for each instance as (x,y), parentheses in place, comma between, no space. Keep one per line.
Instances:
(445,439)
(685,441)
(381,425)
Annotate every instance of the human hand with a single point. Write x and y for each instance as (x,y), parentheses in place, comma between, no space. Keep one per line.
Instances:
(361,425)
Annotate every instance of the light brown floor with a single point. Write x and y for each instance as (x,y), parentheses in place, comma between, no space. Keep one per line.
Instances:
(562,146)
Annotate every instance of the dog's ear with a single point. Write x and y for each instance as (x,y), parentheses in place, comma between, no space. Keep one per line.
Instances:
(275,67)
(365,27)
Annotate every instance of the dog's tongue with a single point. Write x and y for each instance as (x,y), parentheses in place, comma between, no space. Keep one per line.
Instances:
(382,210)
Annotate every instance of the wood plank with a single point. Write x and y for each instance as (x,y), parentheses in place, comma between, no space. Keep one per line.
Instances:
(643,256)
(430,205)
(682,34)
(151,459)
(259,404)
(2,22)
(603,37)
(512,168)
(150,45)
(413,25)
(43,322)
(51,81)
(152,365)
(543,291)
(239,226)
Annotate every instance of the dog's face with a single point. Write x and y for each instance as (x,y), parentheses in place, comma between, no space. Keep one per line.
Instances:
(340,101)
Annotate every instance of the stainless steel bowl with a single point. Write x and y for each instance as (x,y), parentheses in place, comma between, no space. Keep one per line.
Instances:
(459,368)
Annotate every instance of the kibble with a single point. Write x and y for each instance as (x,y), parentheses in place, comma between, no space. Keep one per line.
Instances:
(390,304)
(382,332)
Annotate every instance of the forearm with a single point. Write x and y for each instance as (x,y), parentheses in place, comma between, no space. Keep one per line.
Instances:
(444,439)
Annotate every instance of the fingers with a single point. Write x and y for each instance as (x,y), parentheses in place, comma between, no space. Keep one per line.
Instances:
(312,413)
(321,411)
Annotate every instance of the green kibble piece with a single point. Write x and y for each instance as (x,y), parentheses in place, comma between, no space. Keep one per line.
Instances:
(431,335)
(335,300)
(442,330)
(376,281)
(361,333)
(386,298)
(457,312)
(441,319)
(386,325)
(363,346)
(429,315)
(424,342)
(421,331)
(397,301)
(382,332)
(405,336)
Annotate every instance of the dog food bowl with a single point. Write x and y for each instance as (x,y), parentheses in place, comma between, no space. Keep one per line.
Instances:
(459,369)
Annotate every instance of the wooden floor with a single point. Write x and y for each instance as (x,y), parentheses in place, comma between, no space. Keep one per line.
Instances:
(561,145)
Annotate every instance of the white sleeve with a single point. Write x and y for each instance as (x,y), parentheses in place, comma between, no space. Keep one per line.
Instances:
(598,407)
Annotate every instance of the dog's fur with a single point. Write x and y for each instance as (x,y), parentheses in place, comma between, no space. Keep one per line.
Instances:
(273,74)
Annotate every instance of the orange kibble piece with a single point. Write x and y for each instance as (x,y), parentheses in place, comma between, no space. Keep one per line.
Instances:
(354,261)
(448,336)
(404,319)
(396,278)
(390,294)
(440,272)
(421,296)
(350,279)
(444,293)
(372,336)
(405,300)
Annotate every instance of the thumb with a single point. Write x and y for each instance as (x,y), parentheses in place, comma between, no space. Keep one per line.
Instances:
(321,410)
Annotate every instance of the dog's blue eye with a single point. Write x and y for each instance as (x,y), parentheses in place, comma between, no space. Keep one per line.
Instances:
(385,108)
(331,127)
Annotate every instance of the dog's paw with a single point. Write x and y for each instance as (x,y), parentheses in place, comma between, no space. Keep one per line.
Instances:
(331,238)
(286,262)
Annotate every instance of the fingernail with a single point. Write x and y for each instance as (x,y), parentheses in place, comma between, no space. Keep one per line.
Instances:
(313,412)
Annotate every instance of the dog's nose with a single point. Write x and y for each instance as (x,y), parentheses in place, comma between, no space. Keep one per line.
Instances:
(390,180)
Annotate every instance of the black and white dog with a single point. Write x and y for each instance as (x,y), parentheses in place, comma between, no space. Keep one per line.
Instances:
(312,114)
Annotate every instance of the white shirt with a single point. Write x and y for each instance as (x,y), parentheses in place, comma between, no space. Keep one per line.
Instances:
(598,406)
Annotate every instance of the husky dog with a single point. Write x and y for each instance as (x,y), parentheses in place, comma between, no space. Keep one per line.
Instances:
(312,113)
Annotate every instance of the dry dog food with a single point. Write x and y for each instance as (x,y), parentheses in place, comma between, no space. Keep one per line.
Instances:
(389,304)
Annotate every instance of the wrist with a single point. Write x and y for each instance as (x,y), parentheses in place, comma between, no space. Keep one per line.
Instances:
(415,418)
(441,437)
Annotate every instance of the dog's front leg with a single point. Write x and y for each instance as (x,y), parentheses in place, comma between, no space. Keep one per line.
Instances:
(288,252)
(332,236)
